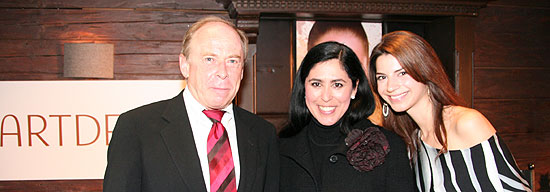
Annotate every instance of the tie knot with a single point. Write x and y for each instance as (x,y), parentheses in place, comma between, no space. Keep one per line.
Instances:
(214,114)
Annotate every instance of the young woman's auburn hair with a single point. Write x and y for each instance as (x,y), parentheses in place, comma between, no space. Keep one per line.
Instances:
(420,61)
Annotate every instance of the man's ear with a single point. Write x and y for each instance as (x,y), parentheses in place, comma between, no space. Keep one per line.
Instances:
(242,72)
(184,66)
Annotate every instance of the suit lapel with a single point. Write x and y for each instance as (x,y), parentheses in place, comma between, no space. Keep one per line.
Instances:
(178,138)
(248,152)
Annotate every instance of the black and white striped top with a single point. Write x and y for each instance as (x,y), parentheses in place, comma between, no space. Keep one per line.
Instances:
(487,166)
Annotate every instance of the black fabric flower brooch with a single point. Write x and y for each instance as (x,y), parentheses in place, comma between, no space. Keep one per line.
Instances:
(367,148)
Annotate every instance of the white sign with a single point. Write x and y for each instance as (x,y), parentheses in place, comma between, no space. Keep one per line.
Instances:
(61,129)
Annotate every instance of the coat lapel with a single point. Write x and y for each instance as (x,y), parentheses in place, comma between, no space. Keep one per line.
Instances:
(178,138)
(248,151)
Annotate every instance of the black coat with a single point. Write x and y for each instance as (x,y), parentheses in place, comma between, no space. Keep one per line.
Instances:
(152,149)
(298,174)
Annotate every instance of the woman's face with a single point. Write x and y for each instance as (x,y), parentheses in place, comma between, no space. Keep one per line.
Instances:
(397,87)
(328,91)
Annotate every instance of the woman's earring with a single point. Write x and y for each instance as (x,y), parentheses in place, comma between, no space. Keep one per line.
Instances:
(385,110)
(353,97)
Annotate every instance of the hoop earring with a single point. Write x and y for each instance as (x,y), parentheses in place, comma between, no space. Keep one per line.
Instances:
(385,110)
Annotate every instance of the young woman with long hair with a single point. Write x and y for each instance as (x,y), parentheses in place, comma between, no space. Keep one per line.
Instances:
(453,147)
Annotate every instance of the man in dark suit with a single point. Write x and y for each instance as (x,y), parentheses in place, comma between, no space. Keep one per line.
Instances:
(175,145)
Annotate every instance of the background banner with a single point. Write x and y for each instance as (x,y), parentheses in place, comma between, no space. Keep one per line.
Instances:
(61,129)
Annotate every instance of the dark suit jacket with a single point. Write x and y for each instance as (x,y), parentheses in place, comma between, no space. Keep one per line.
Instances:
(152,149)
(298,172)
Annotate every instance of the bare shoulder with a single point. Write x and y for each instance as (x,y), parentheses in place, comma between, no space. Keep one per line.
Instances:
(470,126)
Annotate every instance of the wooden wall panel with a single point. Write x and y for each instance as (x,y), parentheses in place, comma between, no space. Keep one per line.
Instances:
(147,43)
(41,64)
(112,31)
(25,48)
(512,37)
(464,53)
(516,115)
(76,16)
(527,145)
(124,64)
(511,81)
(29,76)
(120,24)
(187,4)
(274,71)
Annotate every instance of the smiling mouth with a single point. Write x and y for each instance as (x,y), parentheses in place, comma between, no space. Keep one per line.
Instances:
(398,97)
(326,109)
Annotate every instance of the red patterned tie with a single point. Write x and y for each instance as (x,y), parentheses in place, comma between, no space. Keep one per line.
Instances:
(220,160)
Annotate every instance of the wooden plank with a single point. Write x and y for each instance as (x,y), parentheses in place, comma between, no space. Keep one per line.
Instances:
(464,43)
(515,3)
(149,47)
(96,25)
(25,76)
(518,39)
(52,185)
(27,48)
(77,16)
(516,116)
(187,4)
(511,83)
(151,63)
(274,66)
(41,64)
(97,31)
(20,32)
(528,145)
(148,77)
(21,3)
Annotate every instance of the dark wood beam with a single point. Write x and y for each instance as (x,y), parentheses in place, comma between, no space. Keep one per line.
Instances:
(248,12)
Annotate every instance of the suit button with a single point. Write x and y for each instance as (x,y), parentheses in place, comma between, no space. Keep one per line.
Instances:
(333,159)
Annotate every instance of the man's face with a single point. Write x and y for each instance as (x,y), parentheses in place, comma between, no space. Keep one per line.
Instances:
(214,66)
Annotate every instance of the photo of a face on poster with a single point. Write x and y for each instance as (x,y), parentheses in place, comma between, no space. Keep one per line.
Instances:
(361,37)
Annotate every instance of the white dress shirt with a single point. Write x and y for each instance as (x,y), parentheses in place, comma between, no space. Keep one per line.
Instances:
(201,125)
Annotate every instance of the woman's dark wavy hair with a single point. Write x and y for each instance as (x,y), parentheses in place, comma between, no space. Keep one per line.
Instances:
(420,61)
(360,107)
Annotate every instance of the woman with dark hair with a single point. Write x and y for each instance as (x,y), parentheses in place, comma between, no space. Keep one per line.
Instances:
(351,34)
(329,144)
(454,148)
